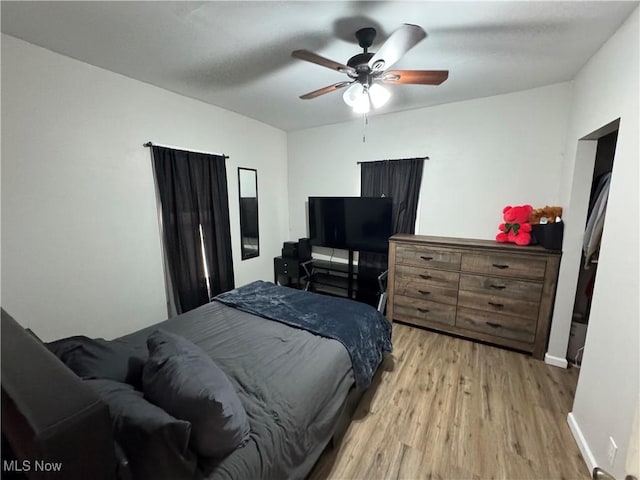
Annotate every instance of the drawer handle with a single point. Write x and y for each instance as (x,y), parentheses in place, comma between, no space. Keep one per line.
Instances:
(497,305)
(423,310)
(424,292)
(426,259)
(426,277)
(501,267)
(494,325)
(498,287)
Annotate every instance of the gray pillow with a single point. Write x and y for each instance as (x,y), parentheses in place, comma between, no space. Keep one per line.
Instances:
(155,443)
(98,358)
(183,380)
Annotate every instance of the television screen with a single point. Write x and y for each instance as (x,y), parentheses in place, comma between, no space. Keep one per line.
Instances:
(350,223)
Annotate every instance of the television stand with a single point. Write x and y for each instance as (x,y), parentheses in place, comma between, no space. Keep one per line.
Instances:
(341,280)
(333,278)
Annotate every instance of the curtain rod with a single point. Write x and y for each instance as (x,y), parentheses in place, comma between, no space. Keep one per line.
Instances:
(150,144)
(392,160)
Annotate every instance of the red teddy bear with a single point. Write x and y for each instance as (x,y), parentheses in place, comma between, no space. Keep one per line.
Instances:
(516,227)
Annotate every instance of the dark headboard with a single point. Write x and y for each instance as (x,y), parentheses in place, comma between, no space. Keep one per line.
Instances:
(49,416)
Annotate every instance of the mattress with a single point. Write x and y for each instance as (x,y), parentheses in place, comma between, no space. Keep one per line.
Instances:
(292,383)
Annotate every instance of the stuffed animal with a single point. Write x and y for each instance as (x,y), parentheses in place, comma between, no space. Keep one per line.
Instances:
(516,227)
(550,213)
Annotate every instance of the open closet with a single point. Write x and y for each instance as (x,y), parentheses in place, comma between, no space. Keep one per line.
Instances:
(591,245)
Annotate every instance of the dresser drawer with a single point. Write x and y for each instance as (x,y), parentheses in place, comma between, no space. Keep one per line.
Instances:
(427,290)
(427,257)
(505,326)
(497,304)
(504,265)
(434,278)
(413,310)
(525,290)
(431,276)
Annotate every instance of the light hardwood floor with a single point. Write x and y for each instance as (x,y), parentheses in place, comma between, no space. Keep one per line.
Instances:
(445,408)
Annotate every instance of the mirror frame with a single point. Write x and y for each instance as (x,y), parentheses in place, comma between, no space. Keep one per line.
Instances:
(244,252)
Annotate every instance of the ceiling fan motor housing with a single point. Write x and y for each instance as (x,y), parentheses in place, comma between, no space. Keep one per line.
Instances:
(360,61)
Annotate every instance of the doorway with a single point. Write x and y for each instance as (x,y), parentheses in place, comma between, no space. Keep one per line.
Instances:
(605,153)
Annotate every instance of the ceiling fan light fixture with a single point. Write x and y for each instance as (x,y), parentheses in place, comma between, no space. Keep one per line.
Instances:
(362,104)
(351,95)
(378,95)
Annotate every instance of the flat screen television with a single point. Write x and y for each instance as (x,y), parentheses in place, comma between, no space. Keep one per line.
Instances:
(351,223)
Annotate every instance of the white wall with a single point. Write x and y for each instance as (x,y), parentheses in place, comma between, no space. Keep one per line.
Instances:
(608,388)
(80,238)
(484,154)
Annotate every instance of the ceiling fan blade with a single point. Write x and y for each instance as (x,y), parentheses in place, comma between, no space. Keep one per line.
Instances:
(322,61)
(416,77)
(322,91)
(400,42)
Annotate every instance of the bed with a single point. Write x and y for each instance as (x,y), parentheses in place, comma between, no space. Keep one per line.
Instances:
(298,362)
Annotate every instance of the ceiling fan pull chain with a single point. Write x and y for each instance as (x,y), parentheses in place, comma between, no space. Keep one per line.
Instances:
(365,122)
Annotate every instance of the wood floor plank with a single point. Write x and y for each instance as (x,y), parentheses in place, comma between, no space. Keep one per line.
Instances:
(446,408)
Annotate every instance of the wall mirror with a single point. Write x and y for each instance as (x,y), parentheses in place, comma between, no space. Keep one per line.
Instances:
(248,192)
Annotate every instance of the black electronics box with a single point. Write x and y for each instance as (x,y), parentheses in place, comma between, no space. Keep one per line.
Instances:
(304,249)
(549,235)
(290,250)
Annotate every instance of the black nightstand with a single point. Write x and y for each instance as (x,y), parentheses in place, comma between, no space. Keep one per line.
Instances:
(292,269)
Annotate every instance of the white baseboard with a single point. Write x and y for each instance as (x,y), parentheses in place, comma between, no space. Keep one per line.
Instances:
(555,361)
(587,456)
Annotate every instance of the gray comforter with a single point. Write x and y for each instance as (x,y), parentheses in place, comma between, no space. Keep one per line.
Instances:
(363,331)
(292,383)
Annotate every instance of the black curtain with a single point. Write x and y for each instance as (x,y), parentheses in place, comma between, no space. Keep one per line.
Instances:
(400,180)
(193,192)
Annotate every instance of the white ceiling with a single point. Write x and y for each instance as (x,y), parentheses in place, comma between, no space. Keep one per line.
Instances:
(237,55)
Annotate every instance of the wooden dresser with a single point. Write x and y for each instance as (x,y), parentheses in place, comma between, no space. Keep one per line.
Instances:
(479,289)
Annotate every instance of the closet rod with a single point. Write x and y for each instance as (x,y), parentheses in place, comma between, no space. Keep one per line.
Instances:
(391,160)
(150,144)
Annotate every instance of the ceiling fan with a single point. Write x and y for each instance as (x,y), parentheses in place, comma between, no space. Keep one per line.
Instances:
(368,70)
